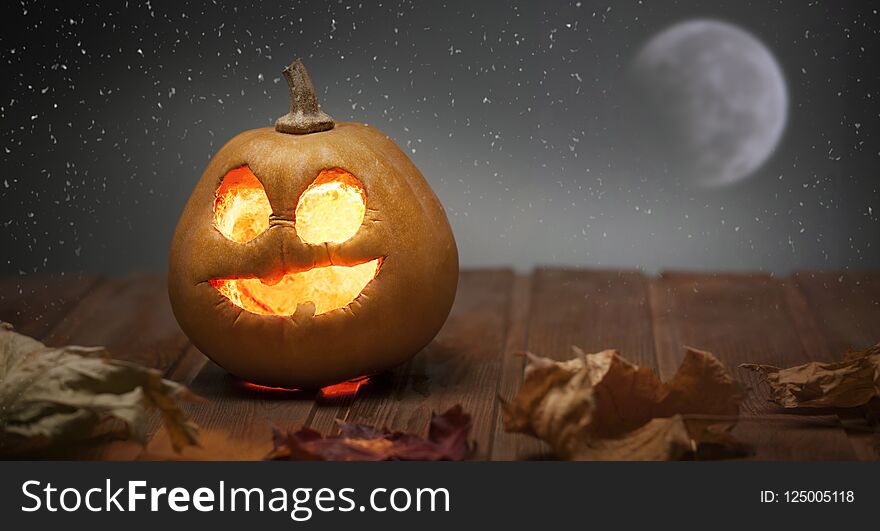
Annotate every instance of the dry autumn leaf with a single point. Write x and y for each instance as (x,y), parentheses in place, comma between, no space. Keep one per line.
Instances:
(603,407)
(447,441)
(662,439)
(851,382)
(50,397)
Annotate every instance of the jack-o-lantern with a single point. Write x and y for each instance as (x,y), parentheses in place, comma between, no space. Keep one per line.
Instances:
(312,252)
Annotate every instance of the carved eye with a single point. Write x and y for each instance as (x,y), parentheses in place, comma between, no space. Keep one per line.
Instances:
(332,208)
(241,207)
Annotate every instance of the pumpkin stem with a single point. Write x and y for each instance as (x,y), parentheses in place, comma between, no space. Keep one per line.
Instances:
(305,114)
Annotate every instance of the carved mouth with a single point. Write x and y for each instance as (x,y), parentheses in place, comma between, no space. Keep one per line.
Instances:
(327,288)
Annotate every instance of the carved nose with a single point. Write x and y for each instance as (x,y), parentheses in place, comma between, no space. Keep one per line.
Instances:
(272,278)
(286,253)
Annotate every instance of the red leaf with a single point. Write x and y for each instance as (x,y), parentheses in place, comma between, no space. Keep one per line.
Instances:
(447,441)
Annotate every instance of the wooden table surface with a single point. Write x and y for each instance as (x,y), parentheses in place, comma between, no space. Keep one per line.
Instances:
(739,317)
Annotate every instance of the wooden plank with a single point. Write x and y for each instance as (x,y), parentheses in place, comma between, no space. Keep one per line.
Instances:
(740,318)
(34,303)
(594,310)
(461,366)
(846,309)
(794,437)
(505,446)
(129,315)
(846,306)
(744,319)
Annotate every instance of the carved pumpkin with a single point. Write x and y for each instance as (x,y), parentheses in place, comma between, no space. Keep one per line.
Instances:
(311,253)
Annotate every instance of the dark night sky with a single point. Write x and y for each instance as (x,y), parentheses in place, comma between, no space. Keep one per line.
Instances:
(514,111)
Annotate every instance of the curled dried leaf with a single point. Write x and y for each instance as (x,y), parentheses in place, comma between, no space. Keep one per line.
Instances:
(447,441)
(601,406)
(851,382)
(660,439)
(55,396)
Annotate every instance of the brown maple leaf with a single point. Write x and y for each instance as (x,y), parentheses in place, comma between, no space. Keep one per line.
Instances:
(447,441)
(851,382)
(601,406)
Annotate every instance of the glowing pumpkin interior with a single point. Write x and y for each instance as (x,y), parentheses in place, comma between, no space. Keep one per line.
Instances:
(330,210)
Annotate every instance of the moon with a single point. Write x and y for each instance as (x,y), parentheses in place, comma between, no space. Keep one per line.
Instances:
(719,95)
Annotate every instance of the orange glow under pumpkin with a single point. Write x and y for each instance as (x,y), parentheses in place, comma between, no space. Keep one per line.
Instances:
(330,210)
(344,389)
